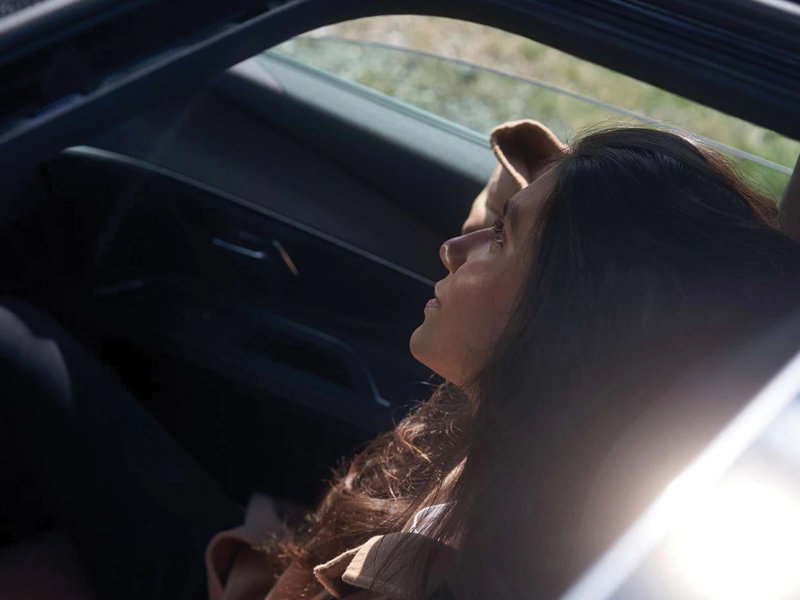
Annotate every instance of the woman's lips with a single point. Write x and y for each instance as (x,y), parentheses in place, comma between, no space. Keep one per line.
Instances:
(434,302)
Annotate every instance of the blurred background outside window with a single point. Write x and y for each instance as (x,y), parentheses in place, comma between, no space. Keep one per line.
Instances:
(477,77)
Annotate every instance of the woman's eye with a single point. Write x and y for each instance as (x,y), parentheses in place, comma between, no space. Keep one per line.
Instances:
(499,233)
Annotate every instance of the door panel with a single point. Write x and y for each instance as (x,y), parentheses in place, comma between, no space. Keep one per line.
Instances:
(175,284)
(393,182)
(253,259)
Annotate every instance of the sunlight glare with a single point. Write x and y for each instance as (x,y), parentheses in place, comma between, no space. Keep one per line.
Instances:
(741,543)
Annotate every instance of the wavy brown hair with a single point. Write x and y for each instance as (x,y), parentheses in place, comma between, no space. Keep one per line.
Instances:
(651,255)
(379,489)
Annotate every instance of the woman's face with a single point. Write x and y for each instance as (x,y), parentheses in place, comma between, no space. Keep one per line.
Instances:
(473,304)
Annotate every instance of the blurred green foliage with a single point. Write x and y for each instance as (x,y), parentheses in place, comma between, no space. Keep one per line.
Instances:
(479,98)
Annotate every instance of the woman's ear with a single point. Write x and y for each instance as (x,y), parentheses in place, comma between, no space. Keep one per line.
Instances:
(522,148)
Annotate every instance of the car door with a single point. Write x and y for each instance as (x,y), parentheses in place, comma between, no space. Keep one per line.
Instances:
(263,255)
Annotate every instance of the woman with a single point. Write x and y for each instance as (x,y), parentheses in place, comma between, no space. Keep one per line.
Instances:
(633,257)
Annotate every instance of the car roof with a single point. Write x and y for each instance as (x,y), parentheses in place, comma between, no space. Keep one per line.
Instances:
(69,67)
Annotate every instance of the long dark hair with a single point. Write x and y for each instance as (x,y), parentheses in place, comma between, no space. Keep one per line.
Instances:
(651,255)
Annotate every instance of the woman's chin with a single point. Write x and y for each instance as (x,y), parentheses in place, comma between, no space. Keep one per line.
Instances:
(424,351)
(421,346)
(416,343)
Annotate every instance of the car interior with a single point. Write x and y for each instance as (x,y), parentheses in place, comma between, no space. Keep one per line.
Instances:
(249,258)
(281,274)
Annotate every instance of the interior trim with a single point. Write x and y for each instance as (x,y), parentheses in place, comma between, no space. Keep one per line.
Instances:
(107,155)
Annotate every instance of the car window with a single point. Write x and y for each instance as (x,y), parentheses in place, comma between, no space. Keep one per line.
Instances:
(478,76)
(8,7)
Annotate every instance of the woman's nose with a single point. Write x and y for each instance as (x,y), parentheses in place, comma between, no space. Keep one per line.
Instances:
(454,251)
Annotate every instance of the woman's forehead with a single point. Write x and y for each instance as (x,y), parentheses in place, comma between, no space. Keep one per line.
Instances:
(530,199)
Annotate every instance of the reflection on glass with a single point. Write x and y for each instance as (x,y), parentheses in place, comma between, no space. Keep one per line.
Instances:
(727,528)
(742,540)
(738,539)
(479,98)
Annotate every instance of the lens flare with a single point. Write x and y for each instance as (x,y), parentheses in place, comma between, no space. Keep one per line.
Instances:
(741,543)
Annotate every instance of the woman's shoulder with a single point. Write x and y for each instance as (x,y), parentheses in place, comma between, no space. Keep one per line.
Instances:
(393,566)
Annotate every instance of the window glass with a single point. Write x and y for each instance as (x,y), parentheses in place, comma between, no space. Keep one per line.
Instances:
(8,7)
(478,77)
